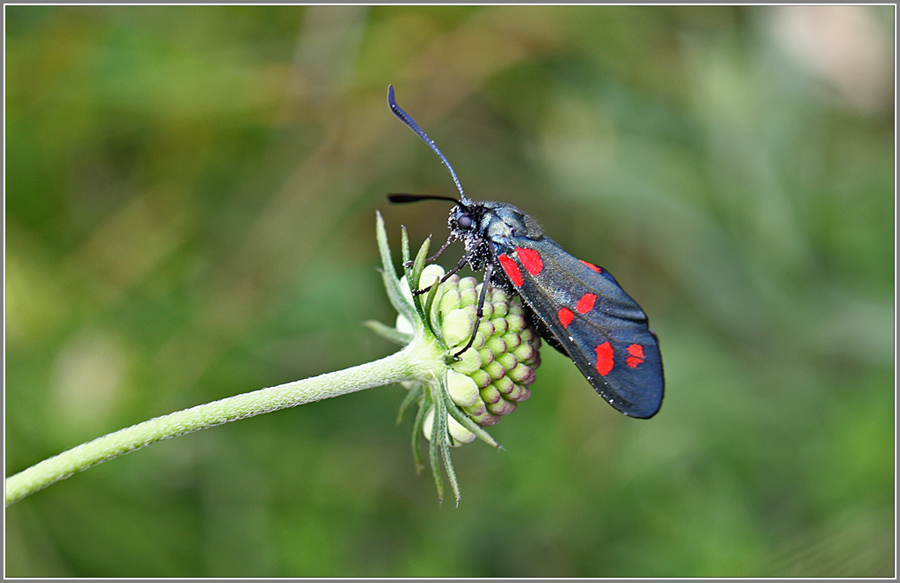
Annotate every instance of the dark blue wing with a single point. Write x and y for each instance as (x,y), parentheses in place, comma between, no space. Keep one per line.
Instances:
(604,331)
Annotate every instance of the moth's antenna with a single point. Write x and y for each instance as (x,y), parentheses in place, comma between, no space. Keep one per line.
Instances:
(402,197)
(404,117)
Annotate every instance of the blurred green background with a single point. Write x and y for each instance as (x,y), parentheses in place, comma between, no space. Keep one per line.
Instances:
(190,210)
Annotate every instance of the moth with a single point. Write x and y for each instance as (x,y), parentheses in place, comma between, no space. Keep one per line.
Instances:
(577,307)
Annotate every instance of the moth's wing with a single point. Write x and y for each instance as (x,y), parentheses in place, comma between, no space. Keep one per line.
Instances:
(603,330)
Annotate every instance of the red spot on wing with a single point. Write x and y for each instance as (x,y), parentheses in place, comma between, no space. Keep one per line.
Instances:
(604,358)
(592,266)
(586,303)
(531,259)
(565,316)
(635,355)
(511,269)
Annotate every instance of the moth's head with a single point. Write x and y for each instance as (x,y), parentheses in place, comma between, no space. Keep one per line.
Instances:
(464,217)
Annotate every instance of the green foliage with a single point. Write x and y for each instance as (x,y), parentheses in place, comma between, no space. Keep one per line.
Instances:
(189,194)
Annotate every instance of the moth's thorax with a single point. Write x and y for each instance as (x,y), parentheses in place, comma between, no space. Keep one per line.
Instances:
(479,223)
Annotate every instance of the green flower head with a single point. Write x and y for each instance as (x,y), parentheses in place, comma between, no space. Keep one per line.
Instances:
(468,390)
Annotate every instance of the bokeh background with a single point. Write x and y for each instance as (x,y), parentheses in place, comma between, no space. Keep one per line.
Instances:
(190,210)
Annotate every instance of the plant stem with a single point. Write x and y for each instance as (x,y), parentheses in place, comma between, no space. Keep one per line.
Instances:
(414,361)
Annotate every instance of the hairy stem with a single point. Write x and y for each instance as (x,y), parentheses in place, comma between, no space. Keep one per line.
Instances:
(414,361)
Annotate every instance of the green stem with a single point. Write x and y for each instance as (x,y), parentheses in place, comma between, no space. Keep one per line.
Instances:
(414,361)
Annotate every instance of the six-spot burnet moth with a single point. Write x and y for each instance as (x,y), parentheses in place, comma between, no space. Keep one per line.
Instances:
(576,306)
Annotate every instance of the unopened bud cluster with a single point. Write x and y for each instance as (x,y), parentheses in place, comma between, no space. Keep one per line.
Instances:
(492,376)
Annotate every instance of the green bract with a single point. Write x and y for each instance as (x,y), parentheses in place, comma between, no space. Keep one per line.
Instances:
(476,388)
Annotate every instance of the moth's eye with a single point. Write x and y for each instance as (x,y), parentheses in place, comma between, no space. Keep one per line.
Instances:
(464,222)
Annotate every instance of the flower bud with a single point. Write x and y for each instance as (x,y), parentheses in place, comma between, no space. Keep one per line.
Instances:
(462,389)
(431,274)
(458,327)
(458,434)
